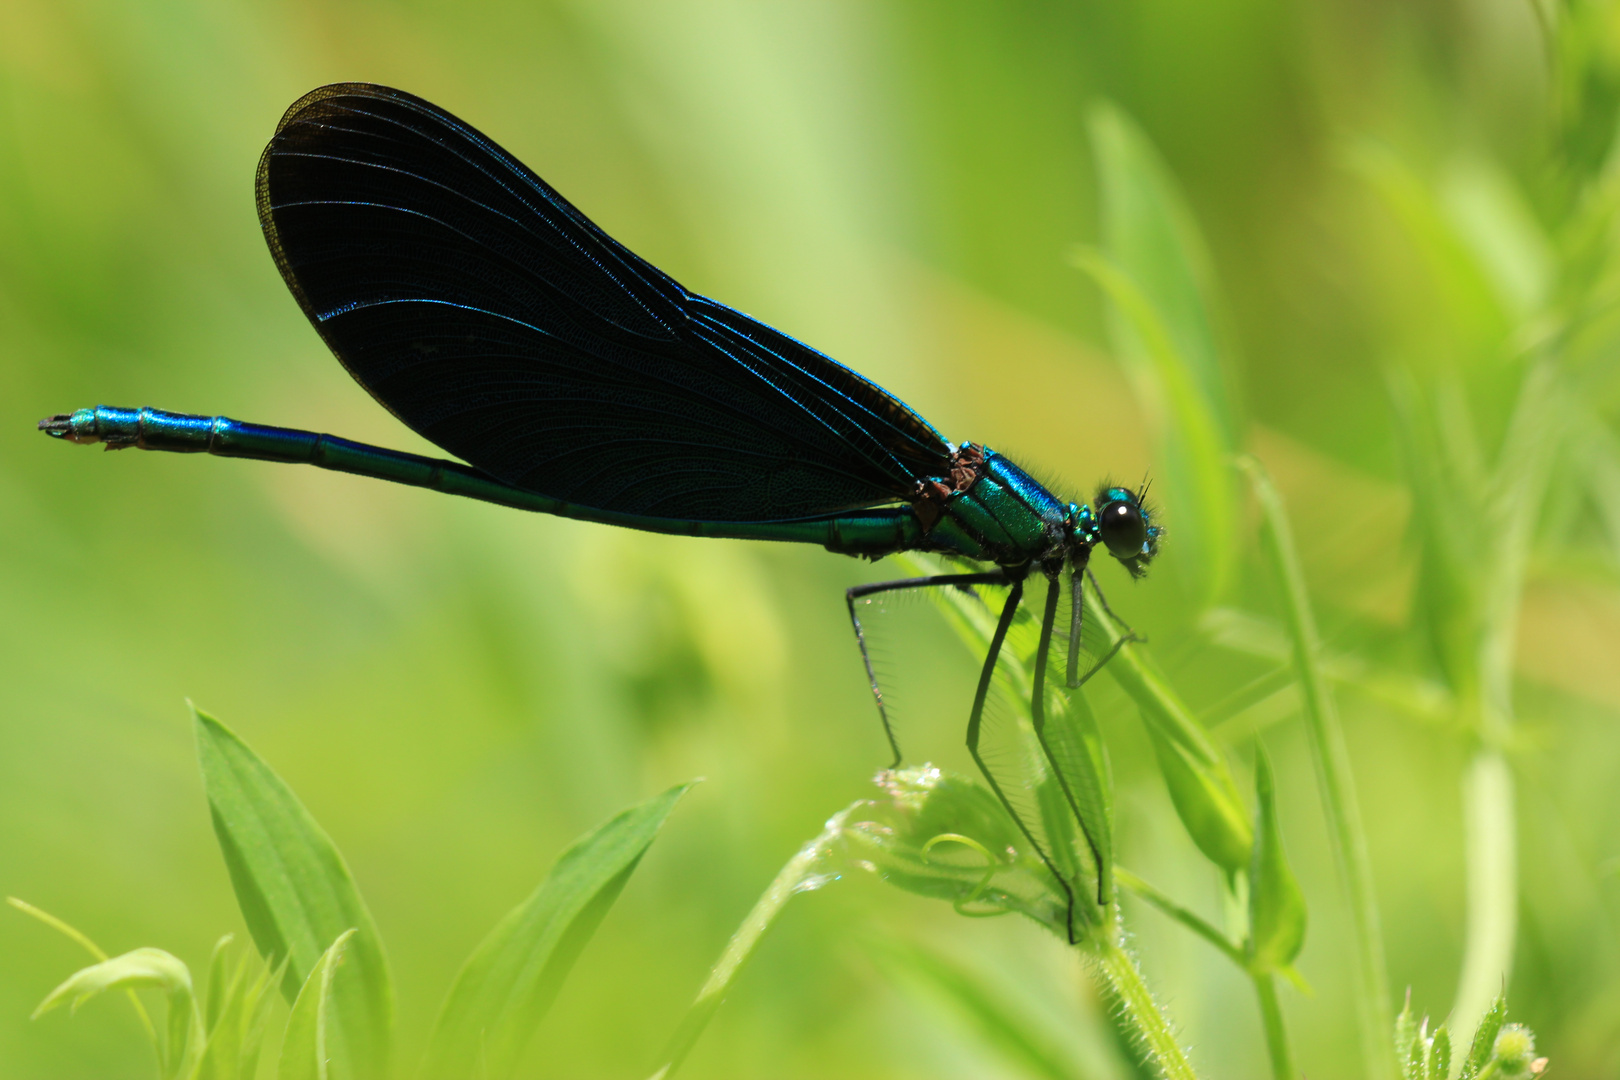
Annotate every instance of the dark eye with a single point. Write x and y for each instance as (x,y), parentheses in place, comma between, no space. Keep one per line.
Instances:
(1122,525)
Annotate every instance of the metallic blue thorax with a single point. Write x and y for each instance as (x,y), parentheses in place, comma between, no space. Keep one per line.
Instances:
(1004,517)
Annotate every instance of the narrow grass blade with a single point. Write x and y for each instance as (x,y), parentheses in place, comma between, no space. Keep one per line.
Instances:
(296,895)
(998,1024)
(1334,778)
(305,1049)
(1154,271)
(800,874)
(508,984)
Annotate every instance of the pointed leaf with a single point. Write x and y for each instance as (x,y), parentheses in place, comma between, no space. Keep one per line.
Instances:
(1153,270)
(1440,1055)
(1212,816)
(217,982)
(232,1050)
(1276,902)
(1479,1051)
(508,984)
(306,1047)
(807,870)
(296,894)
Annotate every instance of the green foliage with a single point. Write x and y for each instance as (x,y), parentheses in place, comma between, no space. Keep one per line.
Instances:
(509,983)
(1276,902)
(947,837)
(290,878)
(141,969)
(1375,252)
(306,1051)
(297,896)
(1154,271)
(1498,1049)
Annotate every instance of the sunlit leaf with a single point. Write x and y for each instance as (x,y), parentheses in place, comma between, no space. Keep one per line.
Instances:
(138,970)
(1276,902)
(508,984)
(296,895)
(305,1049)
(808,869)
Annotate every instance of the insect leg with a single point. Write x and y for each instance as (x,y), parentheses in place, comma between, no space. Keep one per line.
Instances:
(976,718)
(1130,635)
(859,592)
(1037,712)
(1074,634)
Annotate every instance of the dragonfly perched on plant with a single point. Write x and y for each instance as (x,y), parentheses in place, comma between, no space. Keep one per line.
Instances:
(574,378)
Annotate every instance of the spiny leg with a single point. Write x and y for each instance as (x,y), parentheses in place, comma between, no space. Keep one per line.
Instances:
(1077,612)
(1037,712)
(1130,635)
(1076,617)
(858,592)
(975,720)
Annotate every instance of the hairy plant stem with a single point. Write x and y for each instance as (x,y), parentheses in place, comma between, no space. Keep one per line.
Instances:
(1139,1014)
(1336,783)
(1282,1063)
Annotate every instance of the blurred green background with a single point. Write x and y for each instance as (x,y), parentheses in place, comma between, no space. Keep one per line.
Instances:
(456,691)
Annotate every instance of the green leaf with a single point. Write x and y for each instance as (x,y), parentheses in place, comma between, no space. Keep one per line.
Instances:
(802,873)
(73,934)
(508,984)
(1204,801)
(306,1047)
(1276,902)
(1154,272)
(1407,1038)
(1440,1055)
(1201,786)
(1479,1051)
(142,969)
(941,835)
(217,982)
(235,1035)
(296,895)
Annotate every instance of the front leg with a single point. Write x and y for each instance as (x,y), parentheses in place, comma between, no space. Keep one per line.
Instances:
(860,592)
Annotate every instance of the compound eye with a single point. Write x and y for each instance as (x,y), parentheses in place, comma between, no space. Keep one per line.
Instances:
(1122,525)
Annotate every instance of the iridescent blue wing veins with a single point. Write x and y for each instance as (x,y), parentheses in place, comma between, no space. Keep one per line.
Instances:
(493,318)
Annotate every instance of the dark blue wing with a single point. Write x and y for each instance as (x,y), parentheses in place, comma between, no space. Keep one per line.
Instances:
(496,320)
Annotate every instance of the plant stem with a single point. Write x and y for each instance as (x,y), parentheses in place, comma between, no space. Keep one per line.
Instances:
(1282,1063)
(1185,916)
(1520,484)
(1138,1012)
(1335,781)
